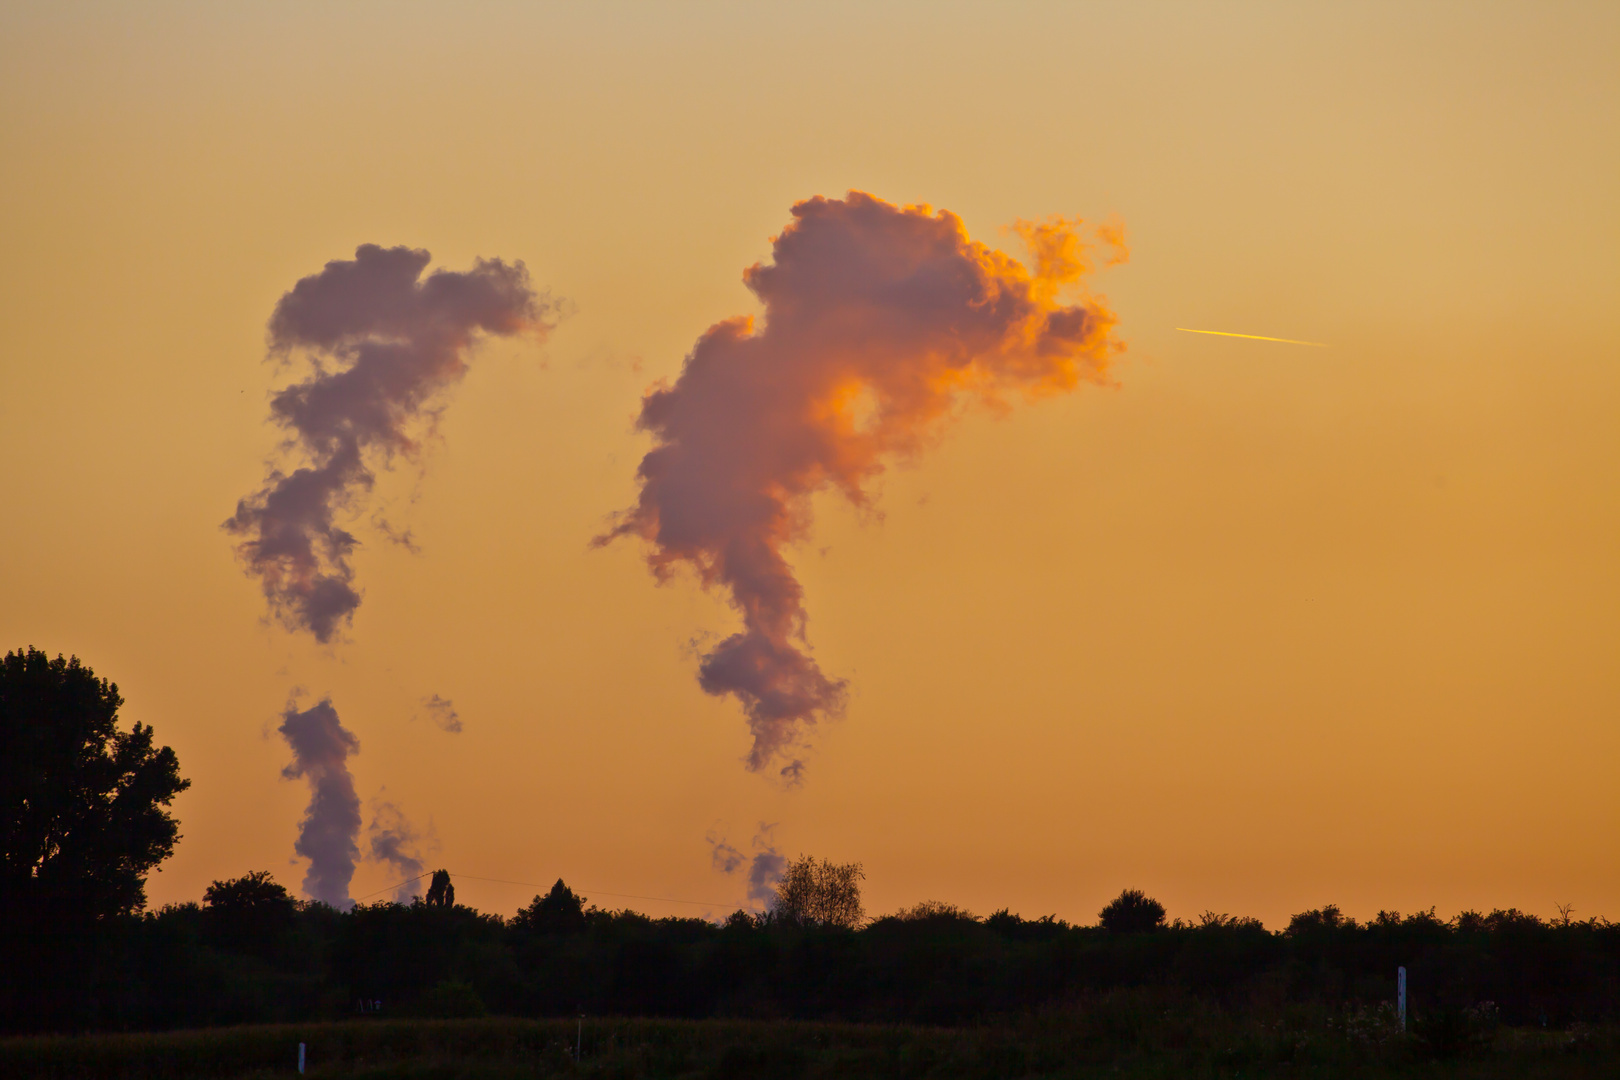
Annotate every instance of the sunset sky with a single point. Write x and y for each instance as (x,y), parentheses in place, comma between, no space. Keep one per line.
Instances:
(1252,626)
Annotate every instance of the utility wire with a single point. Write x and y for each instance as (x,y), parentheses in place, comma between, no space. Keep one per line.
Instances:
(536,885)
(395,885)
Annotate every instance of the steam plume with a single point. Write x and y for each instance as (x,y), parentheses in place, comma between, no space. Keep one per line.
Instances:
(384,343)
(327,836)
(764,872)
(765,869)
(394,840)
(880,322)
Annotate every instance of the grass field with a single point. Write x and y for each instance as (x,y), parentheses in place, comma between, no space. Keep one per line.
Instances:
(1118,1039)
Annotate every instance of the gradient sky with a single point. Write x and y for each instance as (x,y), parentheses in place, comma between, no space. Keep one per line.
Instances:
(1260,627)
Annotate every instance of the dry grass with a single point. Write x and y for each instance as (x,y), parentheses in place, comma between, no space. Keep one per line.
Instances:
(1120,1039)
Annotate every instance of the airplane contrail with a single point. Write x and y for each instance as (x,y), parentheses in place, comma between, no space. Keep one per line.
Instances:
(1256,337)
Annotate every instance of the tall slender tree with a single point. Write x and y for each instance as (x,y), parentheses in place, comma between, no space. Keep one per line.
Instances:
(440,892)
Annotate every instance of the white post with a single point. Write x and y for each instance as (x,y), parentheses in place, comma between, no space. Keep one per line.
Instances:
(579,1036)
(1401,1005)
(300,1059)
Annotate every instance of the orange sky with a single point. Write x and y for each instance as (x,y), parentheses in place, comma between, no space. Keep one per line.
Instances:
(1259,627)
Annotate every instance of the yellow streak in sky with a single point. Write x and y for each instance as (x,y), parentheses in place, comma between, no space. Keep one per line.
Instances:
(1256,337)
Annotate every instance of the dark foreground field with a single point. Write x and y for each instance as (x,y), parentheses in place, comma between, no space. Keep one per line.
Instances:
(1121,1039)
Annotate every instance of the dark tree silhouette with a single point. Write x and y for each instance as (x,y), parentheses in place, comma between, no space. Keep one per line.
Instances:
(82,819)
(560,911)
(1318,922)
(821,892)
(1132,912)
(247,893)
(250,914)
(440,893)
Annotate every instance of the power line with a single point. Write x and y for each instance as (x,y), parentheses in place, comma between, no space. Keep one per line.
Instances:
(395,885)
(536,885)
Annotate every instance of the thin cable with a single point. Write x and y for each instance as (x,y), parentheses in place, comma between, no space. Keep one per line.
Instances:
(396,885)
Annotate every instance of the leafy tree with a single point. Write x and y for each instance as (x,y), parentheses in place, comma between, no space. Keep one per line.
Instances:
(1320,921)
(560,911)
(82,818)
(1132,912)
(250,892)
(821,893)
(249,914)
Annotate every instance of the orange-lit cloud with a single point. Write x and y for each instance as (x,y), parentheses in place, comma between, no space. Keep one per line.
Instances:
(1112,235)
(384,343)
(880,322)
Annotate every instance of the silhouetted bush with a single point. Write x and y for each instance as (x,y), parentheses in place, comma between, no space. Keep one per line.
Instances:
(1132,912)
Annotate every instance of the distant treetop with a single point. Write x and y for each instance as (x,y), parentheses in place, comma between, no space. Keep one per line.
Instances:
(1132,912)
(560,911)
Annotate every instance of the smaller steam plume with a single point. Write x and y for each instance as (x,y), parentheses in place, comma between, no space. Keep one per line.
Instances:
(763,875)
(395,841)
(328,835)
(443,713)
(385,344)
(765,869)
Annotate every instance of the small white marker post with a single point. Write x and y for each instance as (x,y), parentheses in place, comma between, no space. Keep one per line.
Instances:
(1400,979)
(300,1059)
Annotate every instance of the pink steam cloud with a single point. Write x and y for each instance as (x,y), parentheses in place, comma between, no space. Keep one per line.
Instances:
(880,322)
(385,345)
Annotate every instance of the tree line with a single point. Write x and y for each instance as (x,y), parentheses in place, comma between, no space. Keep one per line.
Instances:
(85,820)
(250,952)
